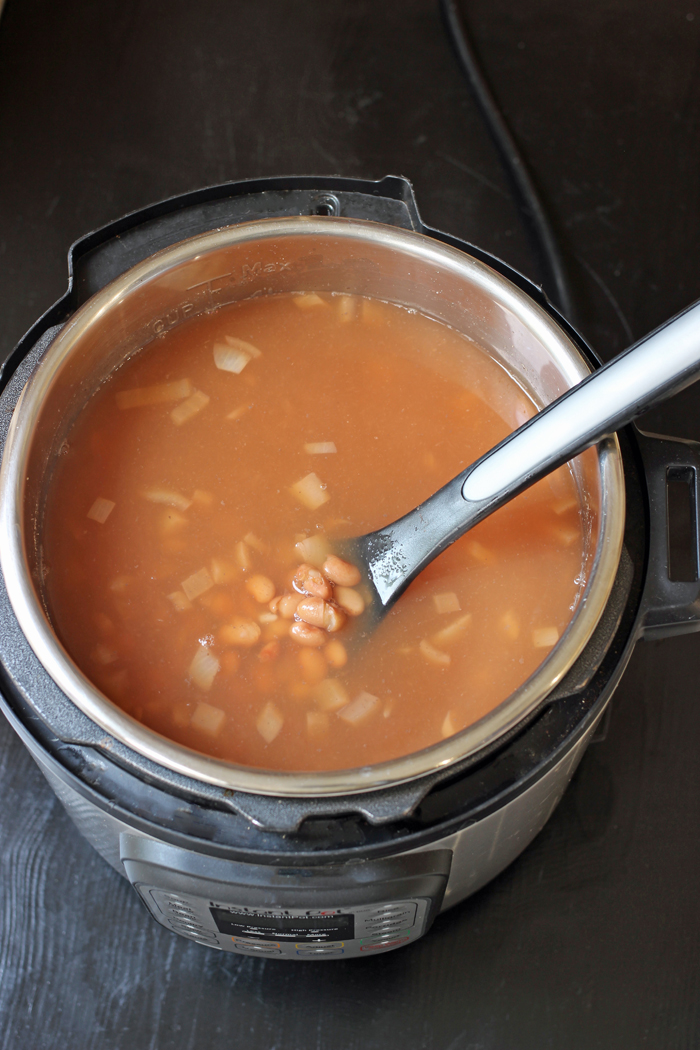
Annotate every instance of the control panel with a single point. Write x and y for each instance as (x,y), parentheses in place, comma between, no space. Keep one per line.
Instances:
(337,910)
(290,933)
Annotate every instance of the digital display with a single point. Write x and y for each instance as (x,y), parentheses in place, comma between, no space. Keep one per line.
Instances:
(285,927)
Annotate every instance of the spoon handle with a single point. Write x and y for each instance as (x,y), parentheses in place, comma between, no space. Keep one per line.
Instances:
(659,365)
(654,368)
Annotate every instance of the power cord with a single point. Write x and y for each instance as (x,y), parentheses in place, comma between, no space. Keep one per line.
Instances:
(525,193)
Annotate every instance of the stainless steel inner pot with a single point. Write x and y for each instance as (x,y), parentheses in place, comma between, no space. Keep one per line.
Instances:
(291,255)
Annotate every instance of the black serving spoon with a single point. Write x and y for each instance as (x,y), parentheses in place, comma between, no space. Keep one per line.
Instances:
(651,370)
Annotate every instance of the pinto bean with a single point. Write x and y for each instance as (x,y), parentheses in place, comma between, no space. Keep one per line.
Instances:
(341,572)
(308,580)
(313,665)
(270,651)
(350,600)
(305,634)
(336,654)
(321,614)
(239,632)
(286,605)
(261,588)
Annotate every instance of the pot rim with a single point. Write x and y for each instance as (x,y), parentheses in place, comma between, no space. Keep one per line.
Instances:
(469,742)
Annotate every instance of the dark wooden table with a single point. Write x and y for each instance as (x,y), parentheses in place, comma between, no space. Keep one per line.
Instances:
(590,940)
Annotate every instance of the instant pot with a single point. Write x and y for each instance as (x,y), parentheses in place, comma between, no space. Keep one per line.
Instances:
(345,863)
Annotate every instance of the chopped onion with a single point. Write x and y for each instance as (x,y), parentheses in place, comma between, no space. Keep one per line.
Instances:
(189,408)
(204,669)
(242,554)
(566,536)
(307,300)
(269,722)
(197,584)
(510,625)
(257,544)
(545,637)
(240,344)
(310,491)
(168,497)
(202,498)
(103,655)
(347,308)
(103,623)
(373,311)
(359,709)
(317,723)
(481,553)
(562,505)
(121,584)
(171,521)
(434,656)
(331,694)
(180,601)
(453,632)
(448,726)
(231,358)
(154,395)
(222,571)
(320,448)
(238,412)
(101,510)
(314,550)
(447,602)
(208,719)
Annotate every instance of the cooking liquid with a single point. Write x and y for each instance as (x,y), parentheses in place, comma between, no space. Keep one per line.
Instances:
(180,475)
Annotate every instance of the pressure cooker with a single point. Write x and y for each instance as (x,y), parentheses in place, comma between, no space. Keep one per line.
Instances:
(346,863)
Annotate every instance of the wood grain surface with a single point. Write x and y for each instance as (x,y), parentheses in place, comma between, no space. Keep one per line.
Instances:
(590,941)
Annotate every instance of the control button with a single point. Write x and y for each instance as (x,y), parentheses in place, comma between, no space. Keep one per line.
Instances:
(384,935)
(257,949)
(306,953)
(398,920)
(249,943)
(383,932)
(393,912)
(320,944)
(383,944)
(197,935)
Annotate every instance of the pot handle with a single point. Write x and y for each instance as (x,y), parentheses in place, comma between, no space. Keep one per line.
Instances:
(670,606)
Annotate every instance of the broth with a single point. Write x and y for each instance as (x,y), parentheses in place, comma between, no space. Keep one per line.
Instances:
(241,444)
